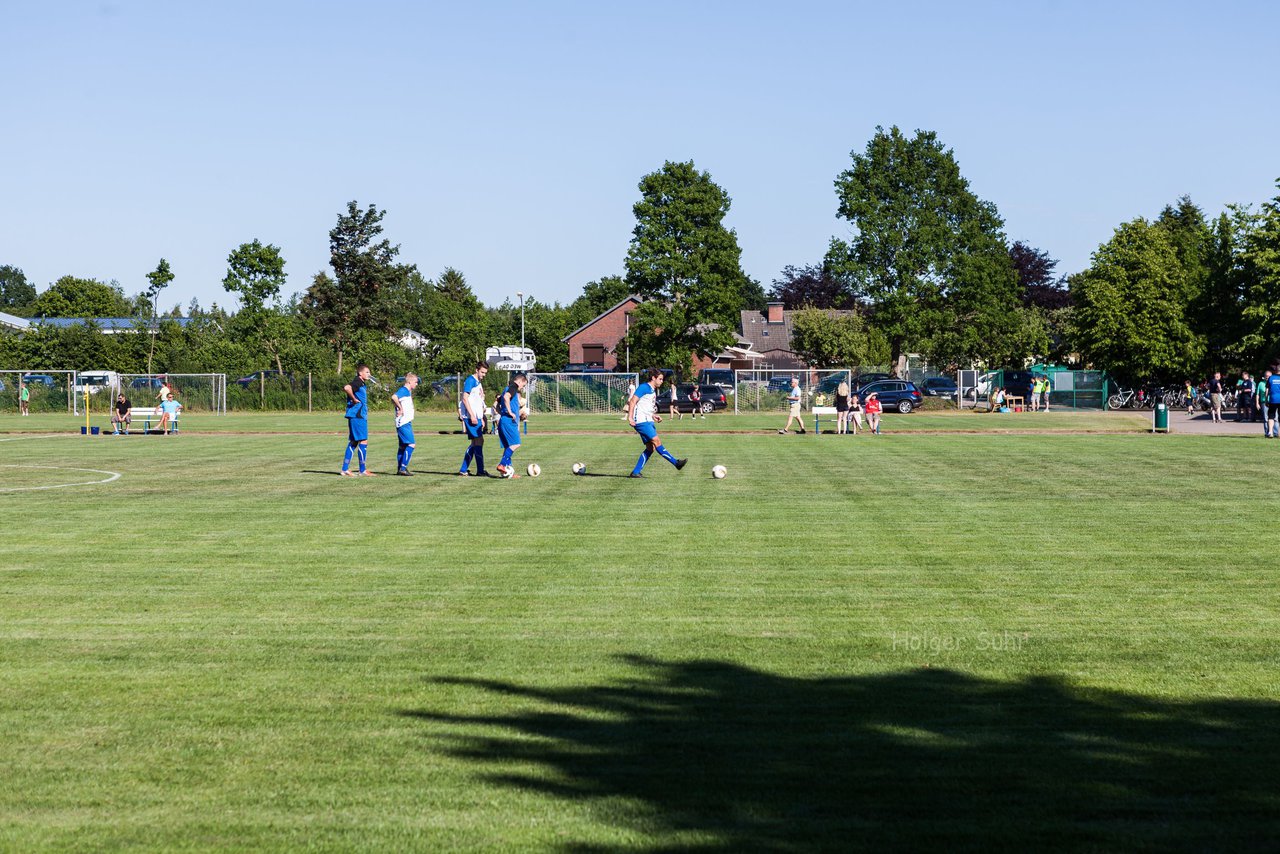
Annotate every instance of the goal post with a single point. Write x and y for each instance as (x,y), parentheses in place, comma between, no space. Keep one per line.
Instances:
(206,393)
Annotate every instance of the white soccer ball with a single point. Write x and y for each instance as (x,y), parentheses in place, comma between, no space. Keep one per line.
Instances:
(579,468)
(534,469)
(718,472)
(510,472)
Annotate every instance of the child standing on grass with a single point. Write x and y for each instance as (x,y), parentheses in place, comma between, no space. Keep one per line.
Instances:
(873,413)
(508,407)
(695,397)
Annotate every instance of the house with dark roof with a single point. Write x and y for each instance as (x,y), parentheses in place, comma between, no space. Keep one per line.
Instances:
(110,325)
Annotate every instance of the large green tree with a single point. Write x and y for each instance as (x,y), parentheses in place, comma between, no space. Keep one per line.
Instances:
(1131,307)
(15,291)
(926,252)
(1258,275)
(255,274)
(74,297)
(686,265)
(825,338)
(158,280)
(353,303)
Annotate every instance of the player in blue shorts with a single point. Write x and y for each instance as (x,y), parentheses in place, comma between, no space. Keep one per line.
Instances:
(357,421)
(403,401)
(642,417)
(509,418)
(471,413)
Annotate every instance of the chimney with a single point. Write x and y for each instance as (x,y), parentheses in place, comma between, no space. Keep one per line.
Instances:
(775,312)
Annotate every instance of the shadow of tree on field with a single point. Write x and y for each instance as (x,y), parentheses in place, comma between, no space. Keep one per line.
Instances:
(910,760)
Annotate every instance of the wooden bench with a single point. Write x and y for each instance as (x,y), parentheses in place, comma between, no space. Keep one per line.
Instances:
(150,414)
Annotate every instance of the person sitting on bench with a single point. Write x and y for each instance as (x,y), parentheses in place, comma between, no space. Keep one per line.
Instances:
(120,415)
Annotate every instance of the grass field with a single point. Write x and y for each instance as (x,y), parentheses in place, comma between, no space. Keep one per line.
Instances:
(948,636)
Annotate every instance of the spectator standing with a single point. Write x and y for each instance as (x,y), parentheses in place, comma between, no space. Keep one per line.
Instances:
(120,415)
(1215,396)
(163,394)
(24,399)
(1260,401)
(1244,397)
(793,408)
(1037,388)
(695,397)
(631,390)
(842,408)
(1046,386)
(1189,392)
(1272,423)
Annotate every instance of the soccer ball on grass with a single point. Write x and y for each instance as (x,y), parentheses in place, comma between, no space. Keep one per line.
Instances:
(534,469)
(718,472)
(579,468)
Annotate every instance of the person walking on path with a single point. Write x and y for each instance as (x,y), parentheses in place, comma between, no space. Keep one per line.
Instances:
(793,408)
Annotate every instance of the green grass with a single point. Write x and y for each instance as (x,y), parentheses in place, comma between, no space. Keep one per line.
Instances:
(943,639)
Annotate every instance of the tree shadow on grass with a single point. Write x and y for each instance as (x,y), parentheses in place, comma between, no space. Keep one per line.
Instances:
(714,756)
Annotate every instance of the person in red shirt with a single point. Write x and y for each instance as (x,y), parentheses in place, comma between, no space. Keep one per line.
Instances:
(872,407)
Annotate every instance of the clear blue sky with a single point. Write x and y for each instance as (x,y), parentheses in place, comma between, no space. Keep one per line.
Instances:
(507,138)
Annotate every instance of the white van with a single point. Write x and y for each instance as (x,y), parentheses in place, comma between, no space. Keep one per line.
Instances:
(96,381)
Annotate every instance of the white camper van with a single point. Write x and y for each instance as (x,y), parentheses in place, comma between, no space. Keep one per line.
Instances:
(96,381)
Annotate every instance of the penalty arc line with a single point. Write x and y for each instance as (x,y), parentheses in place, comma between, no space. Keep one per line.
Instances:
(114,475)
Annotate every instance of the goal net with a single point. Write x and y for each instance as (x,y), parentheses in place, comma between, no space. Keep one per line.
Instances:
(196,392)
(598,393)
(47,391)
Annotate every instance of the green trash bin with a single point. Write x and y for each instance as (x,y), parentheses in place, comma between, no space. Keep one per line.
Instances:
(1160,419)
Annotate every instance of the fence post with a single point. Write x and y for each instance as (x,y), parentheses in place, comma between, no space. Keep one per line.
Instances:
(262,390)
(308,391)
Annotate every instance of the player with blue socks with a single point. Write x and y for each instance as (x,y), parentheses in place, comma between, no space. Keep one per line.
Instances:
(471,414)
(642,416)
(357,421)
(403,401)
(509,417)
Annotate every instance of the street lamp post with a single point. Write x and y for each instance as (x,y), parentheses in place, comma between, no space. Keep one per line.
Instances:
(520,296)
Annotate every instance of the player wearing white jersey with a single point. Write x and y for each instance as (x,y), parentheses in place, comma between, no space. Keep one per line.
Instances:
(403,402)
(642,416)
(471,411)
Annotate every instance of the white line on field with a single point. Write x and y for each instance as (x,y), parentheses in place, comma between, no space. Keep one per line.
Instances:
(114,475)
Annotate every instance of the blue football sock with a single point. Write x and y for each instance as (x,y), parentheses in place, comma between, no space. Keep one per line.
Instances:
(466,458)
(506,457)
(408,454)
(479,455)
(363,451)
(662,449)
(346,459)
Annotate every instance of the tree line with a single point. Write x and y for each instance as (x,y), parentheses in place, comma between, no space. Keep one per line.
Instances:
(926,268)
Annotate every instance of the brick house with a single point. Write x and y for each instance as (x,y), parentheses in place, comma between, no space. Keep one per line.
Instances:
(596,341)
(768,335)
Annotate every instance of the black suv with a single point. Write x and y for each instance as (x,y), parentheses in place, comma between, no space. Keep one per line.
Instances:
(893,394)
(713,398)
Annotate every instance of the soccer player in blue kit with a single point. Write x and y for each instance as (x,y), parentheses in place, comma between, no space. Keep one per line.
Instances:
(508,407)
(357,421)
(471,411)
(403,402)
(641,415)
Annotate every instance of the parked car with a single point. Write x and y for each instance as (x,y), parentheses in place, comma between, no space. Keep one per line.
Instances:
(258,376)
(779,384)
(722,377)
(39,379)
(901,395)
(152,382)
(940,387)
(867,379)
(446,385)
(583,368)
(713,398)
(95,381)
